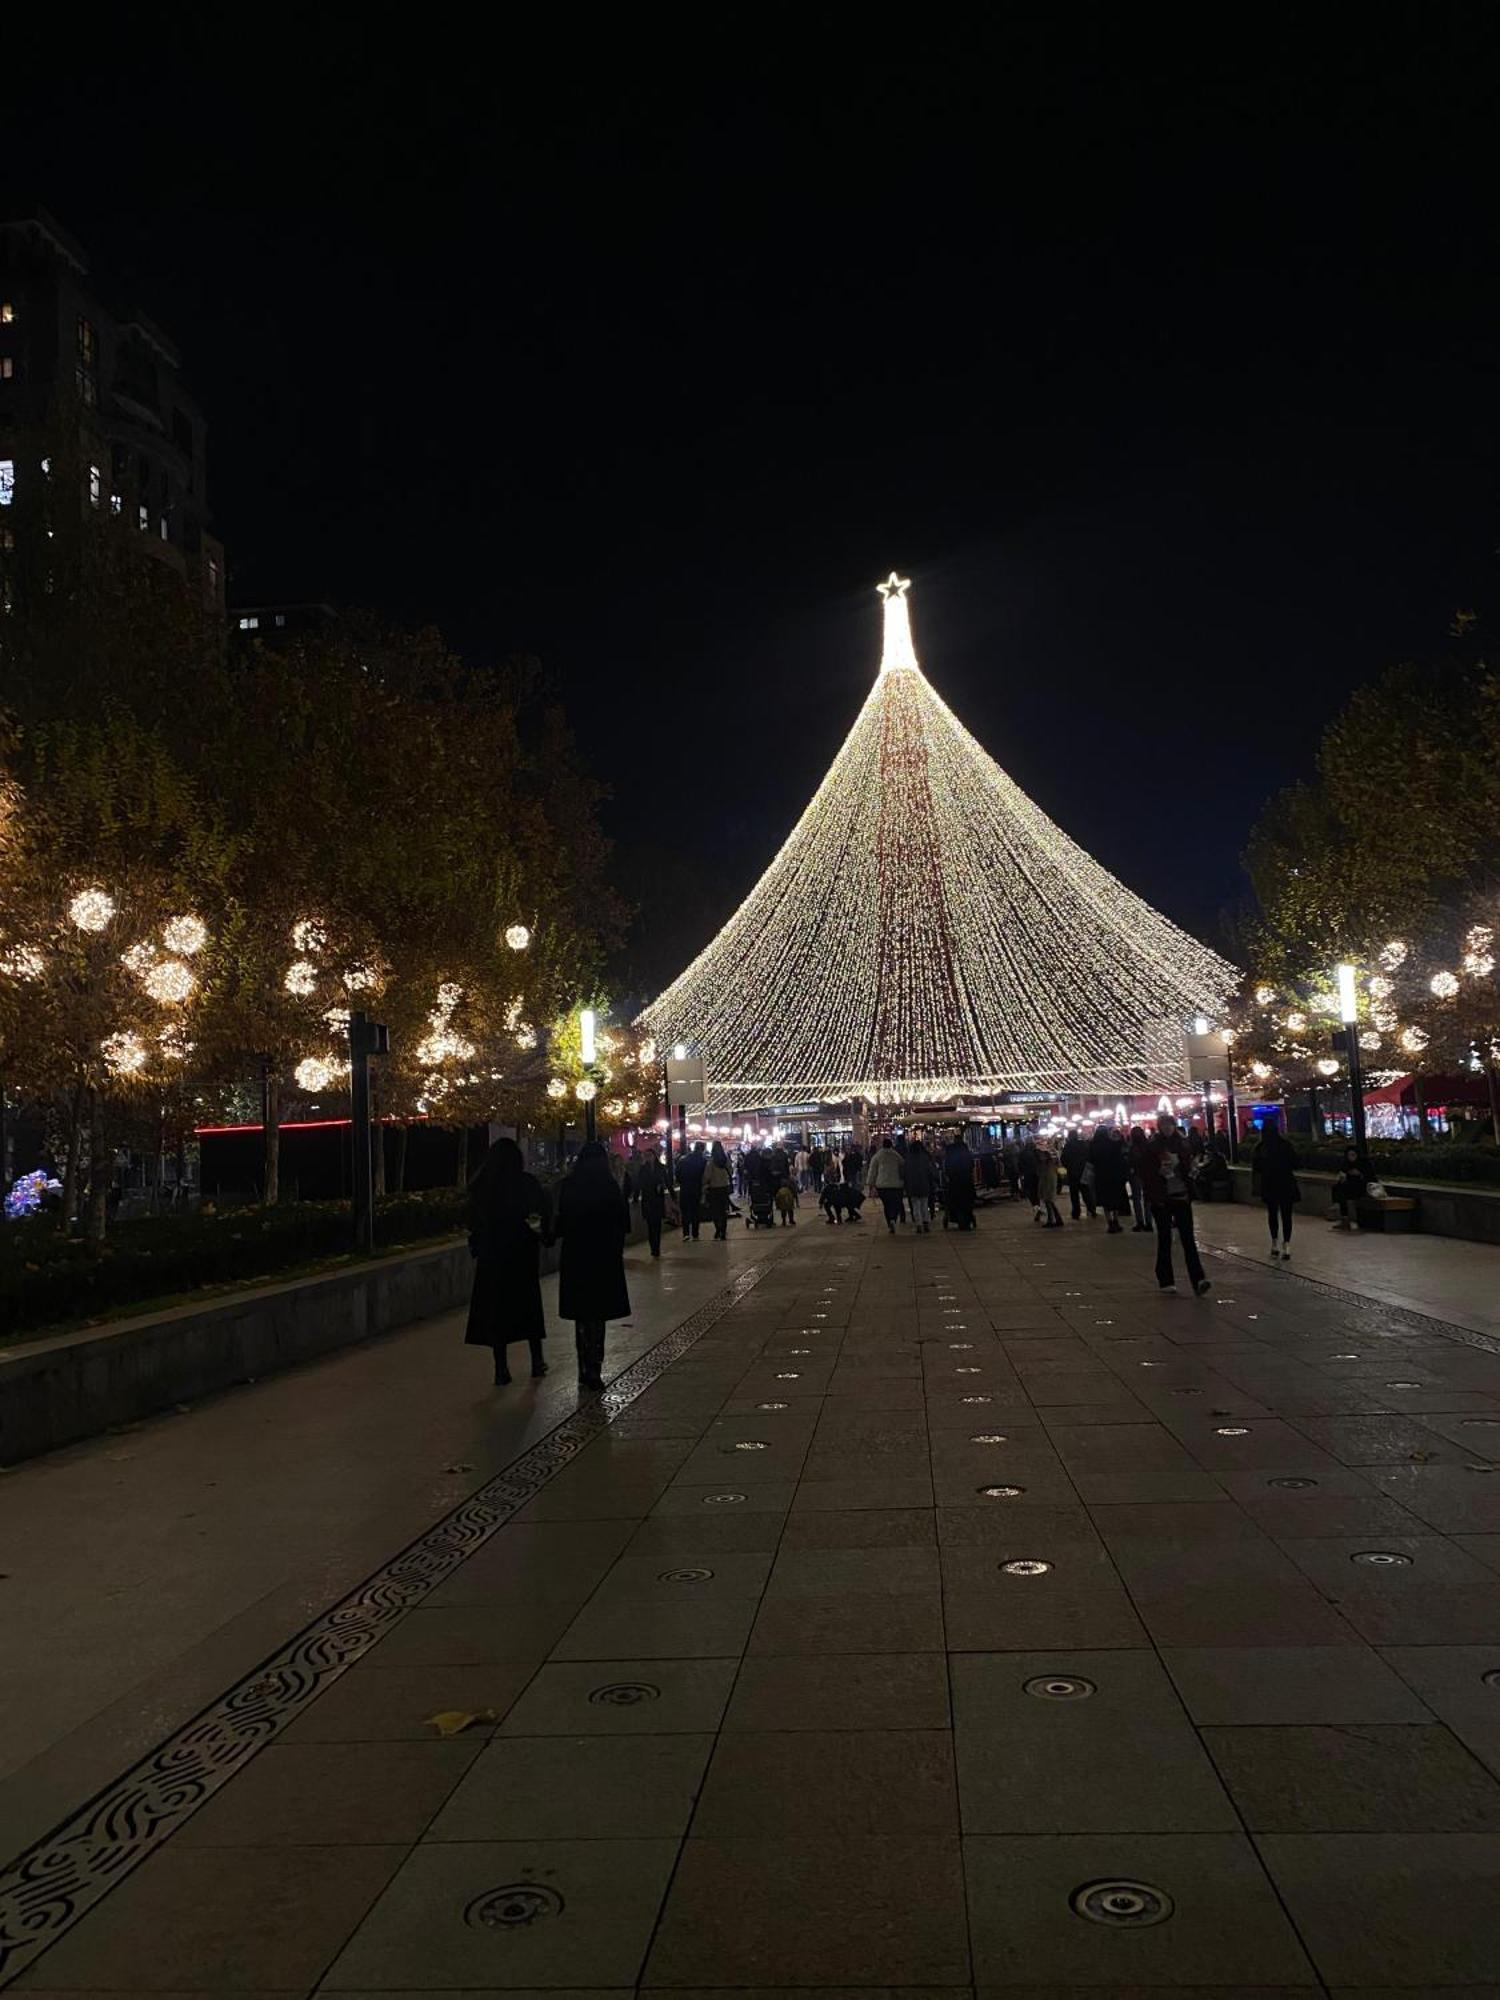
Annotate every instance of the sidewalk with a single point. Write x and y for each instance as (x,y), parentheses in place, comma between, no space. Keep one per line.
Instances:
(955,1614)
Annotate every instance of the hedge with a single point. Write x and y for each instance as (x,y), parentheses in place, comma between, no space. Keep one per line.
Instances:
(48,1280)
(1413,1159)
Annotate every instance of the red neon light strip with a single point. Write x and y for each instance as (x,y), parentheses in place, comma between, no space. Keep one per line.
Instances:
(300,1125)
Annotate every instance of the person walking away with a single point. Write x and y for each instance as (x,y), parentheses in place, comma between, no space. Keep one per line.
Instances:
(1276,1164)
(1167,1164)
(885,1178)
(716,1182)
(1107,1158)
(1046,1185)
(651,1189)
(1350,1188)
(958,1184)
(854,1166)
(690,1171)
(1075,1158)
(817,1166)
(831,1196)
(593,1220)
(916,1179)
(509,1218)
(1137,1182)
(1029,1176)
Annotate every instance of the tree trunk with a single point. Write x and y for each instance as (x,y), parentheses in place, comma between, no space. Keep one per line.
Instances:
(462,1180)
(1489,1074)
(270,1100)
(401,1131)
(1422,1125)
(377,1133)
(96,1220)
(70,1167)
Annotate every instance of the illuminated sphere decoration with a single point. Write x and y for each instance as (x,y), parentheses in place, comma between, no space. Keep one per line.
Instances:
(517,937)
(91,910)
(1327,1066)
(310,936)
(1414,1040)
(867,963)
(1393,955)
(1380,987)
(313,1073)
(124,1054)
(359,979)
(174,1044)
(185,935)
(1369,1041)
(526,1036)
(1444,984)
(556,1087)
(1264,995)
(1296,1022)
(301,978)
(615,1108)
(170,982)
(1260,1071)
(23,961)
(586,1091)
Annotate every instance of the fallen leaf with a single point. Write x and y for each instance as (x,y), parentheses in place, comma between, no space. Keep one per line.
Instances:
(454,1721)
(1421,1457)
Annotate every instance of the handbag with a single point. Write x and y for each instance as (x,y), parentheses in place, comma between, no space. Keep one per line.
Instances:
(1375,1190)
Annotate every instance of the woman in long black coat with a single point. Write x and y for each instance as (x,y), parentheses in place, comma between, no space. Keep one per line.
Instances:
(1107,1158)
(509,1215)
(592,1221)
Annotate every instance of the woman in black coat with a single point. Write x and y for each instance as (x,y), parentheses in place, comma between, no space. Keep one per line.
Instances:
(509,1215)
(1107,1158)
(1276,1165)
(592,1221)
(958,1185)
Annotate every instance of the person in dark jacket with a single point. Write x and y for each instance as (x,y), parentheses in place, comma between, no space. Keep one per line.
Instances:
(1276,1166)
(1349,1189)
(958,1185)
(917,1170)
(717,1179)
(854,1166)
(1107,1158)
(509,1216)
(1166,1167)
(593,1220)
(690,1171)
(651,1187)
(1074,1158)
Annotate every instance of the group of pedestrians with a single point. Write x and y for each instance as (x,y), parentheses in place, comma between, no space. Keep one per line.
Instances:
(1149,1176)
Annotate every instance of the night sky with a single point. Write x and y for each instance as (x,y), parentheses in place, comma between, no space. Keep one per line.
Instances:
(1167,371)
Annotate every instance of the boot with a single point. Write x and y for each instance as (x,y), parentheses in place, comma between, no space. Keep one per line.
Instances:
(502,1369)
(538,1365)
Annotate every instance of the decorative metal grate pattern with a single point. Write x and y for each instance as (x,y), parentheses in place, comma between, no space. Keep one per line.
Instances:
(46,1889)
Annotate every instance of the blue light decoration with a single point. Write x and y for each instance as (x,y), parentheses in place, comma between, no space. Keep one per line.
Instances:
(25,1197)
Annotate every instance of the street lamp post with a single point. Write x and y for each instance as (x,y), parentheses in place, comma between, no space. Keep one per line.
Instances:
(1349,1016)
(589,1048)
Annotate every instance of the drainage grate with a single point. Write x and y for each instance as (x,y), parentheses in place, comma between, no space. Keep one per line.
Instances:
(1132,1905)
(514,1907)
(1060,1687)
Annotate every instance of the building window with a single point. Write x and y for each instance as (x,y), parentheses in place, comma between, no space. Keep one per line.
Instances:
(281,618)
(86,374)
(162,524)
(116,504)
(7,481)
(7,313)
(143,518)
(249,624)
(96,485)
(7,367)
(213,576)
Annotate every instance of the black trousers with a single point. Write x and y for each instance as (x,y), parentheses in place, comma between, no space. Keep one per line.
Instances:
(716,1202)
(1278,1213)
(588,1337)
(692,1210)
(1078,1192)
(653,1231)
(892,1200)
(1178,1215)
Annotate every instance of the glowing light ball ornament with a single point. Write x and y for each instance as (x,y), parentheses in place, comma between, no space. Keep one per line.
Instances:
(1444,984)
(186,936)
(23,961)
(526,1036)
(1479,958)
(301,978)
(1328,1067)
(556,1087)
(586,1091)
(1296,1022)
(1264,995)
(314,1073)
(310,936)
(124,1054)
(170,982)
(517,936)
(1414,1040)
(1393,955)
(858,968)
(91,910)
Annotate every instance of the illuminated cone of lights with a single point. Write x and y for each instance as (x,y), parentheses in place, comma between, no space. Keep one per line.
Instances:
(926,933)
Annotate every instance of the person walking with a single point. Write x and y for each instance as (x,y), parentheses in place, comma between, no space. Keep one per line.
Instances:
(817,1166)
(1107,1159)
(1351,1186)
(1137,1182)
(651,1190)
(690,1171)
(916,1179)
(1276,1164)
(716,1184)
(1075,1160)
(886,1178)
(593,1220)
(958,1184)
(1166,1164)
(509,1218)
(854,1166)
(1046,1185)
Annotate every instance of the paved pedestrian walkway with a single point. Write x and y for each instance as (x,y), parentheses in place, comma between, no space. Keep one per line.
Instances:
(947,1615)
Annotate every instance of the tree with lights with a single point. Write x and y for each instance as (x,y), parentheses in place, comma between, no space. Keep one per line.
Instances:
(867,963)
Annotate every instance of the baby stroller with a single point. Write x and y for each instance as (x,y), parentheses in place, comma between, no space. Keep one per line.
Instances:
(762,1193)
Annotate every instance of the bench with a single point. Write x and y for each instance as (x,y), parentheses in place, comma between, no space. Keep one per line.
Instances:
(1392,1213)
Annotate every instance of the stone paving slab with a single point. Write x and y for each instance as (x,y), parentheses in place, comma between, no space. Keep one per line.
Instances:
(1070,1674)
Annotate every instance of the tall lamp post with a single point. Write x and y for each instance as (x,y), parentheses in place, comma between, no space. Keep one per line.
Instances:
(1349,1016)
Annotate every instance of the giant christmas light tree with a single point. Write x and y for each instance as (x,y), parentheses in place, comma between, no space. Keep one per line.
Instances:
(927,935)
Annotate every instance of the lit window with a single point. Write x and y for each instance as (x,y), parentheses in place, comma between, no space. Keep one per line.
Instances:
(7,313)
(116,504)
(7,481)
(47,468)
(249,624)
(213,576)
(281,618)
(86,373)
(162,524)
(143,518)
(7,367)
(96,485)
